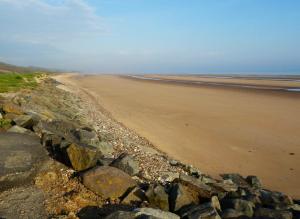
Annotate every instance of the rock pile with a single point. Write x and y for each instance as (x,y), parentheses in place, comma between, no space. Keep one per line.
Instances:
(118,177)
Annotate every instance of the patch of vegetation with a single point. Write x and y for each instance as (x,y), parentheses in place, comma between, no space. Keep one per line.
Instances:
(5,123)
(10,82)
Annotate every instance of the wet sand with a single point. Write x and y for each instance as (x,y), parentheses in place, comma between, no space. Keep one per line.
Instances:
(217,129)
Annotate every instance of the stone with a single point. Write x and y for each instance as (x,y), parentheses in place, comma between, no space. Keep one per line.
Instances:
(231,213)
(24,121)
(12,108)
(18,129)
(266,213)
(87,137)
(105,161)
(203,190)
(275,200)
(82,157)
(224,186)
(151,213)
(181,196)
(10,116)
(121,215)
(240,205)
(203,211)
(254,182)
(236,178)
(21,155)
(108,182)
(173,162)
(1,117)
(136,196)
(157,197)
(193,171)
(127,164)
(167,177)
(105,148)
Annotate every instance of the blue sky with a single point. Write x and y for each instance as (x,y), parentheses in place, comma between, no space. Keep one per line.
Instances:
(153,36)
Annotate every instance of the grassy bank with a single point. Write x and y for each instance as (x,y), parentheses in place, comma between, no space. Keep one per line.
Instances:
(10,82)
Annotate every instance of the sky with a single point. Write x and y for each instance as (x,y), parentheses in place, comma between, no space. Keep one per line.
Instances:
(152,36)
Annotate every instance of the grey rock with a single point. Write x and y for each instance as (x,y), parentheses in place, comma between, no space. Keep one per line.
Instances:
(121,215)
(203,190)
(157,197)
(105,148)
(25,121)
(231,214)
(127,164)
(181,196)
(136,196)
(203,211)
(87,137)
(22,202)
(151,213)
(108,182)
(236,178)
(224,186)
(276,200)
(266,213)
(193,171)
(20,158)
(168,176)
(254,181)
(19,129)
(244,207)
(105,161)
(173,162)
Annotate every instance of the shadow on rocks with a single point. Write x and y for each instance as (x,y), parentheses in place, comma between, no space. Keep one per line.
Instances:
(92,212)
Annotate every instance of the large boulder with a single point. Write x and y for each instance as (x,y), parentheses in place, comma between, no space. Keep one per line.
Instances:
(245,208)
(254,182)
(151,213)
(275,200)
(19,129)
(21,155)
(204,191)
(82,157)
(12,108)
(157,197)
(181,196)
(203,211)
(108,182)
(121,215)
(236,178)
(106,148)
(24,121)
(127,164)
(86,136)
(266,213)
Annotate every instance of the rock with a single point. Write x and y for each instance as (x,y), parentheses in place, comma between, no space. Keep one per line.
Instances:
(157,197)
(24,121)
(154,214)
(21,155)
(276,200)
(244,207)
(224,186)
(87,137)
(105,161)
(121,215)
(1,117)
(203,190)
(181,196)
(254,182)
(12,108)
(236,178)
(266,213)
(231,214)
(203,211)
(166,177)
(10,116)
(105,148)
(18,129)
(136,196)
(173,162)
(108,182)
(127,164)
(82,157)
(5,124)
(23,202)
(193,171)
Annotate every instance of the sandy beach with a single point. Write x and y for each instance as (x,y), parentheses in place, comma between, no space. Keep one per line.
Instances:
(217,129)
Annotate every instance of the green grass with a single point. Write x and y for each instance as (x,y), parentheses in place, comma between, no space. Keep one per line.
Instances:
(10,82)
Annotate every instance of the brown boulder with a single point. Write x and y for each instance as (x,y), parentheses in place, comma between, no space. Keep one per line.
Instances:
(12,108)
(108,182)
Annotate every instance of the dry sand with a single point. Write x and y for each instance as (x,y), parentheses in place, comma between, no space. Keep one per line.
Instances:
(216,129)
